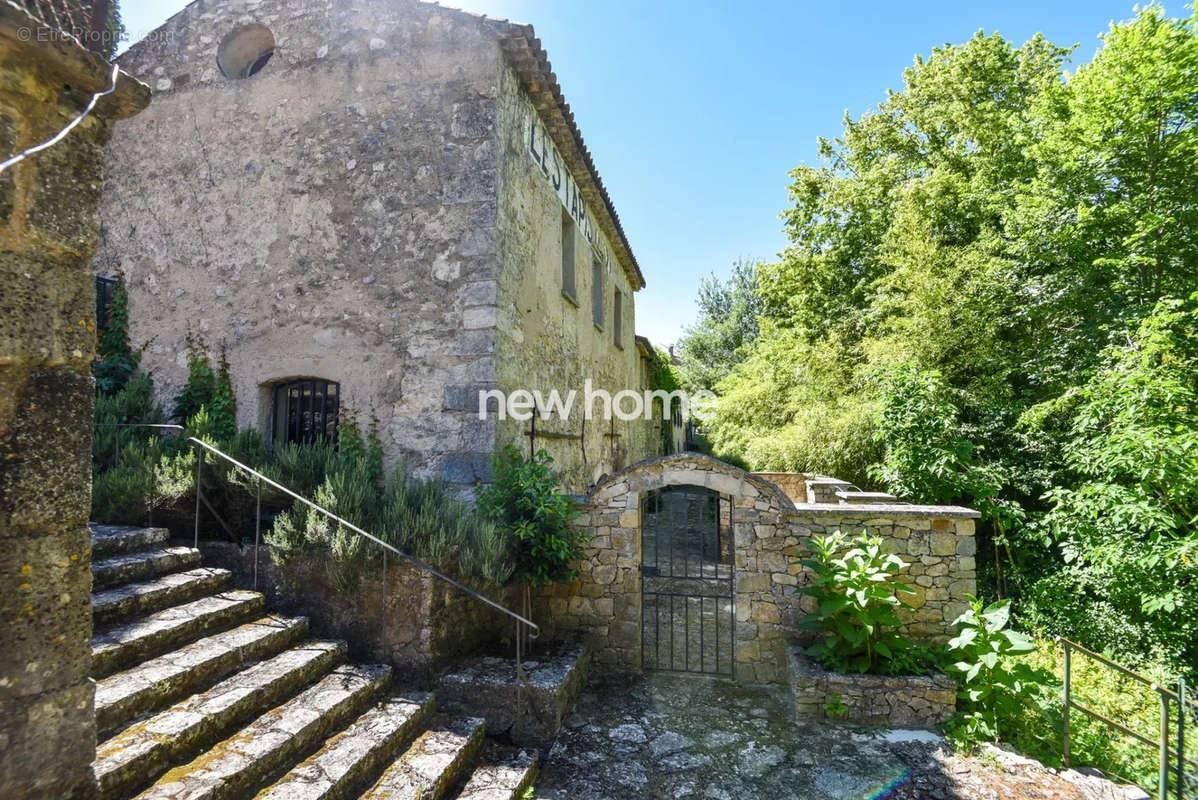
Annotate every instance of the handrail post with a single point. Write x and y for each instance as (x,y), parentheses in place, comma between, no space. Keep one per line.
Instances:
(1163,789)
(1065,729)
(1181,737)
(199,476)
(153,481)
(257,532)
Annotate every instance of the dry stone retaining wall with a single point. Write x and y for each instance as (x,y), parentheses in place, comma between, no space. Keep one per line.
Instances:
(769,532)
(921,701)
(412,621)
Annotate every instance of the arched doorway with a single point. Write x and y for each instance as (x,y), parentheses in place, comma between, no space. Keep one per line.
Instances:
(688,602)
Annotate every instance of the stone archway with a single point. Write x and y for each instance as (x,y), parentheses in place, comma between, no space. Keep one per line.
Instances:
(607,597)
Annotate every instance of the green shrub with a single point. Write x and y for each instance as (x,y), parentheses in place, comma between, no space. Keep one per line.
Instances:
(994,684)
(525,502)
(1036,728)
(120,496)
(132,403)
(857,597)
(417,516)
(116,360)
(207,389)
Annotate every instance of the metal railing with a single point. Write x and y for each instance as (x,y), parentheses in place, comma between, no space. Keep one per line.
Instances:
(1167,754)
(524,626)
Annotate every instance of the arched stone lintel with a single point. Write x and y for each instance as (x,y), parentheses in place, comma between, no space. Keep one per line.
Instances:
(688,469)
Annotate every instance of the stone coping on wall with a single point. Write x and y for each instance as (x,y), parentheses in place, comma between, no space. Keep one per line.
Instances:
(900,701)
(872,510)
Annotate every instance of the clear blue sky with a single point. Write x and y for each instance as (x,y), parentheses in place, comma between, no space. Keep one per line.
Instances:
(695,111)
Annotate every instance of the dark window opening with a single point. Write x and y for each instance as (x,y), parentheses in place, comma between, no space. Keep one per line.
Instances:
(617,318)
(105,287)
(597,293)
(568,257)
(305,411)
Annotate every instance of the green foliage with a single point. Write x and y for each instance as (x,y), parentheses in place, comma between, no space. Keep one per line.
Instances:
(525,502)
(132,403)
(986,300)
(995,685)
(114,31)
(726,325)
(1036,728)
(416,516)
(782,409)
(926,460)
(1126,525)
(116,360)
(223,405)
(200,386)
(857,595)
(834,706)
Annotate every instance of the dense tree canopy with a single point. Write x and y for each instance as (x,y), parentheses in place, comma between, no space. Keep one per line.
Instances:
(986,300)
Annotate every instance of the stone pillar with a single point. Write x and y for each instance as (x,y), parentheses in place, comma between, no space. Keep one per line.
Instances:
(48,230)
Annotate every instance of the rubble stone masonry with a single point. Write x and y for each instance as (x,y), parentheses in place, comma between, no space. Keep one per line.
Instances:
(48,225)
(770,532)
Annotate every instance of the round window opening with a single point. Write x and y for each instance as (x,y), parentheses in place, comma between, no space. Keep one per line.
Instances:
(245,51)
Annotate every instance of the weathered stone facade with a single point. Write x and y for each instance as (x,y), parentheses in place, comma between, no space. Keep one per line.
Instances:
(365,209)
(769,534)
(896,701)
(48,228)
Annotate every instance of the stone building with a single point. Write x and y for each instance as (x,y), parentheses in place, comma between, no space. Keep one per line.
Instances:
(380,205)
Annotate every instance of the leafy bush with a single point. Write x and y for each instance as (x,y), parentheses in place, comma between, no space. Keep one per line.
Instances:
(857,597)
(525,502)
(995,685)
(1126,526)
(132,403)
(1036,728)
(924,456)
(207,389)
(417,516)
(116,360)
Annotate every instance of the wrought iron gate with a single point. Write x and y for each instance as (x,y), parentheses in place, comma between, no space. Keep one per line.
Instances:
(688,615)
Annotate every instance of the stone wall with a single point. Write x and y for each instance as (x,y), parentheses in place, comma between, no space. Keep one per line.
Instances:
(899,701)
(412,621)
(48,229)
(360,210)
(547,339)
(331,216)
(769,535)
(792,484)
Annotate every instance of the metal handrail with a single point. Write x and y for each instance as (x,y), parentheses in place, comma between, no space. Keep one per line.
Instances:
(1165,694)
(535,629)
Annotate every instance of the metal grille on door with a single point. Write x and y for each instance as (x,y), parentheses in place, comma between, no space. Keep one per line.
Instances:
(688,614)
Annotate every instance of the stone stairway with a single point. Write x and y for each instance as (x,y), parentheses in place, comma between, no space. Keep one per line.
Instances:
(201,693)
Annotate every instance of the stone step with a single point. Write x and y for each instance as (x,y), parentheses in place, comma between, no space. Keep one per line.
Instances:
(132,642)
(434,763)
(265,748)
(130,567)
(501,776)
(109,540)
(160,681)
(143,751)
(356,754)
(146,597)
